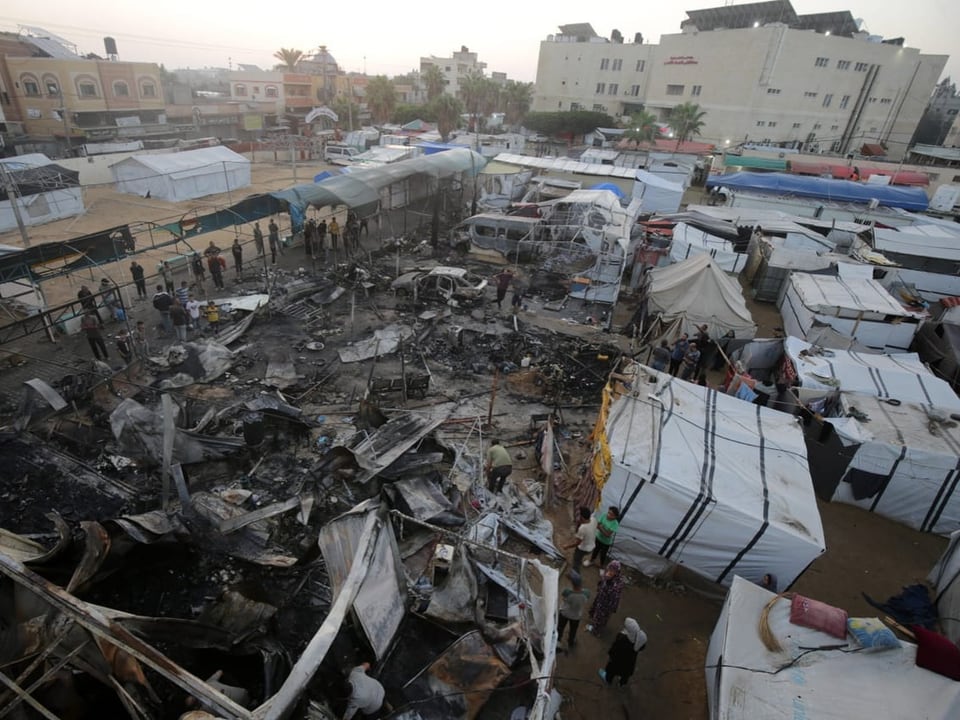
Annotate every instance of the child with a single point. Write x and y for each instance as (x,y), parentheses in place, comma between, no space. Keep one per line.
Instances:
(571,608)
(212,312)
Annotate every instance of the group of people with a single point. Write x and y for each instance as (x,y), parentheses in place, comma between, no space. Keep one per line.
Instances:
(690,358)
(592,541)
(504,280)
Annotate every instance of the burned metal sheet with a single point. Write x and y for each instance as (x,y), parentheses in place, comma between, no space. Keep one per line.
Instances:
(381,602)
(193,362)
(420,497)
(391,440)
(457,683)
(385,341)
(251,543)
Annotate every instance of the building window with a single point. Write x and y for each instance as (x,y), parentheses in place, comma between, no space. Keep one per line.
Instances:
(613,89)
(87,87)
(675,89)
(761,123)
(31,87)
(617,65)
(120,89)
(834,127)
(601,88)
(575,106)
(933,176)
(148,89)
(809,94)
(843,64)
(605,64)
(886,101)
(773,91)
(873,99)
(956,178)
(599,108)
(843,102)
(772,123)
(861,67)
(240,90)
(634,90)
(822,62)
(271,91)
(827,99)
(796,126)
(816,126)
(695,90)
(641,64)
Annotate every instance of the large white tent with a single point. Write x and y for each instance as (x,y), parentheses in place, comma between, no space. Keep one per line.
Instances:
(689,241)
(45,191)
(858,307)
(697,291)
(709,481)
(811,677)
(182,175)
(945,579)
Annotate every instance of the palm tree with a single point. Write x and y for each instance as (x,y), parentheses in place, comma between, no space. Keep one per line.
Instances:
(479,96)
(381,98)
(642,127)
(434,80)
(686,121)
(289,58)
(517,98)
(447,110)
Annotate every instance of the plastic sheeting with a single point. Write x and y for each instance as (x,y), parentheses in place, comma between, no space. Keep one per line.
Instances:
(708,481)
(689,241)
(907,465)
(908,198)
(746,681)
(697,291)
(945,579)
(183,175)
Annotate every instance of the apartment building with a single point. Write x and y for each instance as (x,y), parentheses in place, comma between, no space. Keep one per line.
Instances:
(762,73)
(454,68)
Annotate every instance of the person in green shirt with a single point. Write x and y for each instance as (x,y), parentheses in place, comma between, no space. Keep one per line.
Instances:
(498,466)
(607,526)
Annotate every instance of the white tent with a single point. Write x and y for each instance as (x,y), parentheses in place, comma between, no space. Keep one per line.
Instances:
(945,579)
(905,462)
(696,291)
(689,241)
(46,200)
(657,194)
(183,175)
(746,681)
(902,376)
(709,481)
(858,307)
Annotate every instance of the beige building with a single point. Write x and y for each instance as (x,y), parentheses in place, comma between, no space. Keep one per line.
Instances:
(455,68)
(762,73)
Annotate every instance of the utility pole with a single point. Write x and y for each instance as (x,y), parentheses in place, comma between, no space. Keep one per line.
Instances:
(14,198)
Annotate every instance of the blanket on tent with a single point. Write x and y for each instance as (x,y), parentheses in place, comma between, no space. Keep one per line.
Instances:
(911,607)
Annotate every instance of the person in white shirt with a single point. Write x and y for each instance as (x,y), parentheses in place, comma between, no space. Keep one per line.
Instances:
(366,694)
(585,538)
(193,310)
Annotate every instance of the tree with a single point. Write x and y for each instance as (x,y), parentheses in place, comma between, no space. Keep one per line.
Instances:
(434,81)
(381,98)
(446,111)
(289,58)
(517,98)
(573,122)
(405,112)
(479,95)
(642,127)
(686,121)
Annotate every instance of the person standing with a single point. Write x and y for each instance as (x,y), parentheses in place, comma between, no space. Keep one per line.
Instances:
(503,280)
(139,279)
(573,601)
(212,313)
(274,237)
(140,342)
(605,604)
(660,358)
(183,293)
(91,327)
(622,655)
(124,346)
(215,264)
(498,466)
(678,352)
(707,347)
(690,362)
(322,240)
(178,315)
(518,292)
(309,236)
(334,236)
(585,538)
(364,228)
(109,297)
(607,526)
(366,694)
(198,272)
(237,250)
(258,238)
(88,302)
(192,307)
(166,272)
(163,302)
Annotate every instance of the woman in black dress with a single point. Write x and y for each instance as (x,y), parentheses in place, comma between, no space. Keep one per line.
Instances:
(622,655)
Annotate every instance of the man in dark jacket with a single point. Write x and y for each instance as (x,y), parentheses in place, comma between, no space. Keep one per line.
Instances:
(88,302)
(162,302)
(136,270)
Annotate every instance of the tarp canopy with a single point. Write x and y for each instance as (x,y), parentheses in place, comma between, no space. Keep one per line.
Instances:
(709,481)
(902,376)
(906,463)
(945,579)
(908,198)
(182,175)
(698,291)
(755,162)
(920,240)
(33,180)
(689,241)
(746,681)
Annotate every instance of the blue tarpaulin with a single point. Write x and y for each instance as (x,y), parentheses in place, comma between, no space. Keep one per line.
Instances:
(907,198)
(611,187)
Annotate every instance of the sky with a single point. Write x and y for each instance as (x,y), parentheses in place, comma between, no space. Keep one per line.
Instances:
(388,38)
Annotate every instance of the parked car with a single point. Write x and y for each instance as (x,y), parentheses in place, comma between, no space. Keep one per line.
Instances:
(340,154)
(449,285)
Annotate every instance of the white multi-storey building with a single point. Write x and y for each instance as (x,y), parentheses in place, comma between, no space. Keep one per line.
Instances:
(455,68)
(762,73)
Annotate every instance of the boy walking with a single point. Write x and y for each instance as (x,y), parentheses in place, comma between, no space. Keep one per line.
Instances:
(573,601)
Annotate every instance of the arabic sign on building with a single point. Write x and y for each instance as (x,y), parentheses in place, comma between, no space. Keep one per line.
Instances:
(681,60)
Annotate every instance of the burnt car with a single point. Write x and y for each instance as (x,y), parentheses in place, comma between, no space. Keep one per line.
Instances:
(449,285)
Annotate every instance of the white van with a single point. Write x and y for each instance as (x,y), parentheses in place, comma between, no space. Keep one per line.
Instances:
(339,154)
(503,234)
